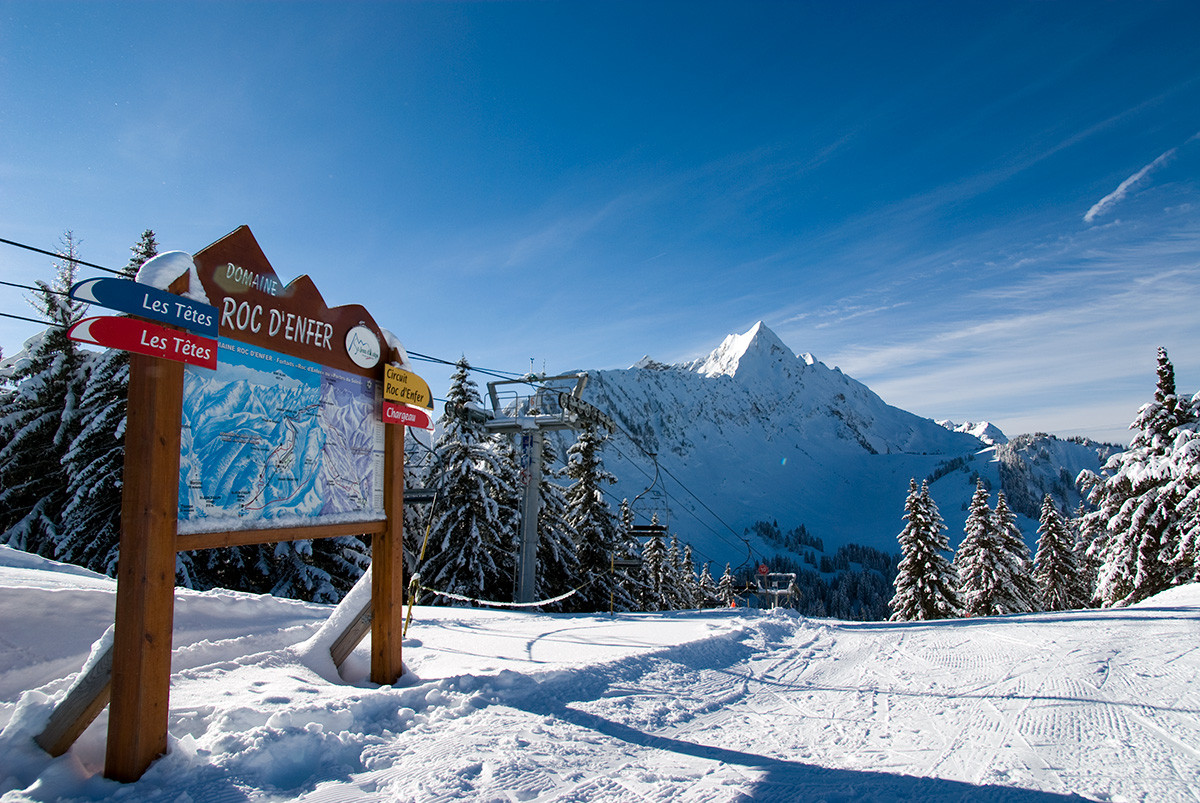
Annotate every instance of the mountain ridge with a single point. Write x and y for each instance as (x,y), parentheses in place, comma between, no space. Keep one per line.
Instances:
(755,431)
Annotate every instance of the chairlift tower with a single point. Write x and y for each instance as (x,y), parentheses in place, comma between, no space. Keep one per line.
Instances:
(554,404)
(776,586)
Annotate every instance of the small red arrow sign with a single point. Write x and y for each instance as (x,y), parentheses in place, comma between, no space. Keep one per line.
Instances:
(143,337)
(408,416)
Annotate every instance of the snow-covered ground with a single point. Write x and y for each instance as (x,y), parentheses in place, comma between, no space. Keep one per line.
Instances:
(713,706)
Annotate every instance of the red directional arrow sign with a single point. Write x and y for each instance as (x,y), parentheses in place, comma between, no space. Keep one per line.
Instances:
(404,414)
(143,337)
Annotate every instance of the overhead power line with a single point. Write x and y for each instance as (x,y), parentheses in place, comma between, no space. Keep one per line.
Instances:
(34,289)
(57,255)
(31,320)
(499,374)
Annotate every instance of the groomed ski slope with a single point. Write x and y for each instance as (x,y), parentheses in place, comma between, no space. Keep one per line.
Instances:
(714,706)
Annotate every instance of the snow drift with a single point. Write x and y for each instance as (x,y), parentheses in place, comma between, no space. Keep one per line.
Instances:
(718,706)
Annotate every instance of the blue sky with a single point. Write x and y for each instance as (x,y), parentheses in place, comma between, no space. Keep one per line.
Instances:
(981,210)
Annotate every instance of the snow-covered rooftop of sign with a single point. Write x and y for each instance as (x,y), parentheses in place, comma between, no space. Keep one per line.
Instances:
(393,342)
(162,270)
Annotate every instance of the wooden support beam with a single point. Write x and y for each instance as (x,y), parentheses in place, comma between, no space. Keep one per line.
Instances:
(355,632)
(186,542)
(83,703)
(141,671)
(387,567)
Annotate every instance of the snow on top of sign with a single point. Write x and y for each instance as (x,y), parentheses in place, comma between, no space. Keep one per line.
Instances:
(393,342)
(233,523)
(168,266)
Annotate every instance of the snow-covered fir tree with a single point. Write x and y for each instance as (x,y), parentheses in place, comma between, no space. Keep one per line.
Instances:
(294,574)
(41,417)
(145,249)
(925,583)
(1022,596)
(1085,531)
(707,588)
(557,561)
(597,531)
(1055,571)
(674,588)
(654,569)
(688,580)
(470,541)
(632,575)
(1138,501)
(727,587)
(417,459)
(979,582)
(96,458)
(1184,486)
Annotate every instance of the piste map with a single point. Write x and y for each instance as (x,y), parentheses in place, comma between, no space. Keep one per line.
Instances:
(272,440)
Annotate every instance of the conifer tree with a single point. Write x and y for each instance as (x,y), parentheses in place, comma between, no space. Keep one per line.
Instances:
(654,560)
(673,588)
(1138,502)
(632,576)
(416,516)
(467,532)
(96,459)
(510,498)
(1021,596)
(979,582)
(558,563)
(707,587)
(1054,569)
(1184,486)
(294,575)
(727,587)
(41,418)
(690,584)
(142,252)
(597,535)
(925,583)
(1085,531)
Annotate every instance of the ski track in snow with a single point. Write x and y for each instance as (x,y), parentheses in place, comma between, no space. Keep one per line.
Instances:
(712,706)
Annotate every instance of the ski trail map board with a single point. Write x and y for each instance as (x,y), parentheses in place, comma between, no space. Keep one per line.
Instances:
(268,439)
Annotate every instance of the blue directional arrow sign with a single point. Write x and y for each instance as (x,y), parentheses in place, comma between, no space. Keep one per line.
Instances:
(126,295)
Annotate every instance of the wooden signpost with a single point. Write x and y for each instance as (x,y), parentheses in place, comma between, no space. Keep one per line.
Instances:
(252,307)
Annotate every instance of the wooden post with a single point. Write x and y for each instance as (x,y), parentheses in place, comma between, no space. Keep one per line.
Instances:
(387,567)
(141,673)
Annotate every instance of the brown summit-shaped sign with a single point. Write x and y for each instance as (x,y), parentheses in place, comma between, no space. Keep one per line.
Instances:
(256,307)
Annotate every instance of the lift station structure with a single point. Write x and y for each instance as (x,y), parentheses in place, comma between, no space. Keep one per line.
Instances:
(554,404)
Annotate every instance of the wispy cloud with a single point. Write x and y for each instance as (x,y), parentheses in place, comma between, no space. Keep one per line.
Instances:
(1116,196)
(1076,345)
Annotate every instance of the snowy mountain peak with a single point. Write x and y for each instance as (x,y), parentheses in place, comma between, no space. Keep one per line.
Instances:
(757,352)
(986,431)
(650,364)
